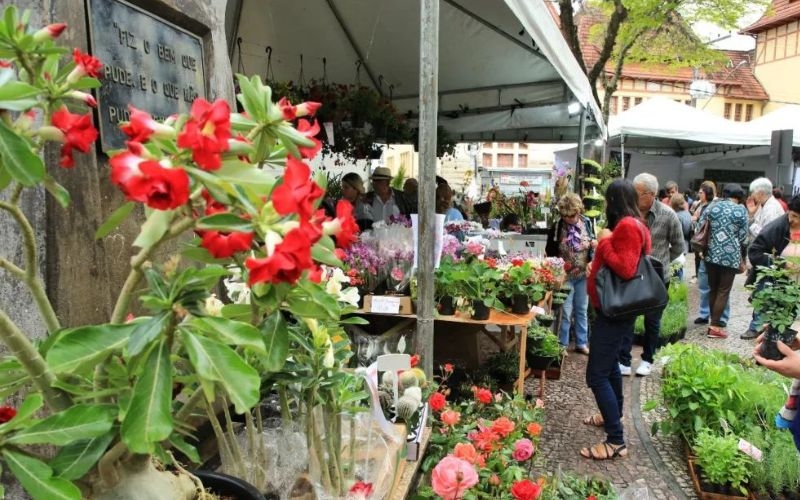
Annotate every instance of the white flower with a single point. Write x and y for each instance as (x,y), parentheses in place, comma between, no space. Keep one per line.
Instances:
(349,295)
(213,306)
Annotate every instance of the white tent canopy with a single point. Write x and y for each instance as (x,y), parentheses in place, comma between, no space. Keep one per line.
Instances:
(663,126)
(784,118)
(505,72)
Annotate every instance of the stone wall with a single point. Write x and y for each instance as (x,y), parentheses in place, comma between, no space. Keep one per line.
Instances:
(83,276)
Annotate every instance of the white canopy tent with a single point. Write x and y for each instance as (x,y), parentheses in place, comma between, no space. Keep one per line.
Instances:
(784,118)
(505,71)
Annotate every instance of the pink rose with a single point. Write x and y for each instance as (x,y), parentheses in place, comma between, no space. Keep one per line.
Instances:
(452,477)
(523,450)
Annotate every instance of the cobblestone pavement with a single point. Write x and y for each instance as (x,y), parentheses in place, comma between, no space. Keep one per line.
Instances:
(658,460)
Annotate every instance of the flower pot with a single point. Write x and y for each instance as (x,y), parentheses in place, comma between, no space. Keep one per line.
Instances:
(445,306)
(549,366)
(479,310)
(545,321)
(228,486)
(519,304)
(769,348)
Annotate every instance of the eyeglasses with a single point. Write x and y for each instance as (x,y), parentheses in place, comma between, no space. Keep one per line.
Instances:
(570,215)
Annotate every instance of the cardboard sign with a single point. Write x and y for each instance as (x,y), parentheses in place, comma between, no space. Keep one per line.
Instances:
(386,304)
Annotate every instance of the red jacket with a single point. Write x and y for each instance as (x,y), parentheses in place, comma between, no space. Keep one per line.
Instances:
(620,252)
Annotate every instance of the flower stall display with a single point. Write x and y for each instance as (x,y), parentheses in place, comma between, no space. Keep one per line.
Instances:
(120,395)
(519,284)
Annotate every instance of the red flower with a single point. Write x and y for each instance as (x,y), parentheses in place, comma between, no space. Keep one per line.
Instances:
(212,205)
(78,133)
(87,64)
(414,360)
(291,257)
(591,497)
(7,413)
(526,490)
(491,262)
(298,192)
(222,245)
(437,401)
(344,226)
(517,262)
(141,126)
(503,426)
(50,32)
(448,368)
(207,132)
(291,112)
(146,181)
(483,395)
(309,130)
(361,488)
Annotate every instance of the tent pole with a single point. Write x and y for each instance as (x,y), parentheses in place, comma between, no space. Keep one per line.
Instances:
(578,182)
(622,155)
(428,108)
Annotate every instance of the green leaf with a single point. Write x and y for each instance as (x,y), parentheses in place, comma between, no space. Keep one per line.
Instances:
(78,348)
(239,312)
(219,363)
(76,459)
(83,421)
(252,97)
(187,449)
(57,191)
(276,337)
(5,177)
(18,158)
(31,405)
(18,96)
(37,478)
(87,82)
(238,172)
(232,332)
(324,256)
(114,220)
(156,225)
(146,332)
(148,418)
(225,222)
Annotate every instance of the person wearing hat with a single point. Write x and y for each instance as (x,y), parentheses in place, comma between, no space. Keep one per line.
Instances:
(723,260)
(384,200)
(353,191)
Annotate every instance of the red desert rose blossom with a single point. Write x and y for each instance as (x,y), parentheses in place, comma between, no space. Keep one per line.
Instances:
(309,131)
(146,181)
(79,133)
(344,227)
(87,64)
(51,32)
(141,126)
(361,489)
(207,132)
(222,245)
(525,490)
(7,413)
(290,112)
(437,401)
(298,192)
(291,257)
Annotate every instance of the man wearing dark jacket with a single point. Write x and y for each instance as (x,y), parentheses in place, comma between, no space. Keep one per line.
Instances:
(384,200)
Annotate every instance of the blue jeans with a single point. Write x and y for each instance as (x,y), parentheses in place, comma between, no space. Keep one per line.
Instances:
(652,330)
(756,323)
(577,301)
(602,372)
(702,286)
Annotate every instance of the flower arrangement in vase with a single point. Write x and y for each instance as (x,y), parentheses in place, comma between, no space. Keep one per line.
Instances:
(119,395)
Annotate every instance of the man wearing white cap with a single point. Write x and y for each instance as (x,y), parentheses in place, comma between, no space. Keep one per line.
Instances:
(386,201)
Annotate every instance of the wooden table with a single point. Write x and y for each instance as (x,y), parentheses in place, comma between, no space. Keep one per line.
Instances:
(504,320)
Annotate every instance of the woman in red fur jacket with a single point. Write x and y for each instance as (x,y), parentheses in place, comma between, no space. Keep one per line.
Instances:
(619,248)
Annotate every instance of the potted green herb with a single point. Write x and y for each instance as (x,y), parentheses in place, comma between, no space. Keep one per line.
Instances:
(543,352)
(545,319)
(476,280)
(518,284)
(719,466)
(778,303)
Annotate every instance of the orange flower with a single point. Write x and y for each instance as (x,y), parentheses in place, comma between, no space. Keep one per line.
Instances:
(534,429)
(503,426)
(466,452)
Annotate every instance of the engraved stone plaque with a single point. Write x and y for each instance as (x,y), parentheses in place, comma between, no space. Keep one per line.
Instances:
(148,63)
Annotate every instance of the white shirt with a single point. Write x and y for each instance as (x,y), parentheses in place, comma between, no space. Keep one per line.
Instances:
(382,211)
(766,213)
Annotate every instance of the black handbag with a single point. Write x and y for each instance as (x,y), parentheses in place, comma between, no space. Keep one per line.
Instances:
(644,292)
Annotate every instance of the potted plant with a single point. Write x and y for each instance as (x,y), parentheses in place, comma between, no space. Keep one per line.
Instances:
(544,352)
(121,393)
(544,319)
(778,303)
(476,280)
(518,284)
(444,287)
(719,467)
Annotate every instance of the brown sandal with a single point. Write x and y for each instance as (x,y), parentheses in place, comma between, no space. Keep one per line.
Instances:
(605,451)
(595,420)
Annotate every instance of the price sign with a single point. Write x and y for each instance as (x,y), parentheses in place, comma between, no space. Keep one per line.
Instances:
(385,304)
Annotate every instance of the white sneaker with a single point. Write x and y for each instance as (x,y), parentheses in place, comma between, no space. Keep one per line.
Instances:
(625,370)
(644,369)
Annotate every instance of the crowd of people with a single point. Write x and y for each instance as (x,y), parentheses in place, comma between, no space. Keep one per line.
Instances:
(745,231)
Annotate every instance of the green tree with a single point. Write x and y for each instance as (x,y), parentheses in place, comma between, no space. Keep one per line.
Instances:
(645,31)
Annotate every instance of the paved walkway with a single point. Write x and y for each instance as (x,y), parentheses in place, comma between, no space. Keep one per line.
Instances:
(658,460)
